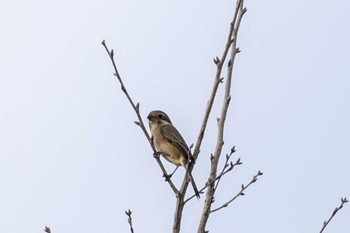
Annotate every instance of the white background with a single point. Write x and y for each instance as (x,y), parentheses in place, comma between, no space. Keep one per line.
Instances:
(71,157)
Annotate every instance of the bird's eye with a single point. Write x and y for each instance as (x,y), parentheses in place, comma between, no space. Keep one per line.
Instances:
(160,116)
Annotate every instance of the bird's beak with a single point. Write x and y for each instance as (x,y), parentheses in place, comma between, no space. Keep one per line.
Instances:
(149,117)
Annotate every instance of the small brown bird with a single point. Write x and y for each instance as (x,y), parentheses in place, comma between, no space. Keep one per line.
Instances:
(169,142)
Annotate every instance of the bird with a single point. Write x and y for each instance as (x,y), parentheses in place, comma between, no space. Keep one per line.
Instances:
(169,143)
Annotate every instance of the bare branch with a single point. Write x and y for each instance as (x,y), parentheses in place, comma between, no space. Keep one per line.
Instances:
(231,44)
(140,123)
(240,193)
(180,194)
(135,107)
(226,170)
(219,64)
(180,203)
(217,81)
(227,165)
(47,229)
(128,213)
(325,223)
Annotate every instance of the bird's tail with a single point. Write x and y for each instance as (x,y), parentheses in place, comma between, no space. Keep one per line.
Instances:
(195,189)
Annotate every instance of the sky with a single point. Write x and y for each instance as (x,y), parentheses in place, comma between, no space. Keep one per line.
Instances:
(71,157)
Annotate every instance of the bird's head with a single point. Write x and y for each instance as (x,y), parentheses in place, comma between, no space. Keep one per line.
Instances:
(157,118)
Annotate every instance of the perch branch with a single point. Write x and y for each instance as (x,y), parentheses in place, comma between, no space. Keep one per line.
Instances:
(140,123)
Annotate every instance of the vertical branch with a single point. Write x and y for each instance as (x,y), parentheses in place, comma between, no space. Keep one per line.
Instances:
(219,63)
(178,212)
(221,121)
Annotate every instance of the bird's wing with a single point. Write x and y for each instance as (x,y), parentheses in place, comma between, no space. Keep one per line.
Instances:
(174,137)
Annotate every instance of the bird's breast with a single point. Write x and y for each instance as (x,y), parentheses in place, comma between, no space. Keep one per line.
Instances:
(168,150)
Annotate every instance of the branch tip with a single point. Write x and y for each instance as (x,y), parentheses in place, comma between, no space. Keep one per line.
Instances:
(233,149)
(128,212)
(231,165)
(216,60)
(156,155)
(240,193)
(47,229)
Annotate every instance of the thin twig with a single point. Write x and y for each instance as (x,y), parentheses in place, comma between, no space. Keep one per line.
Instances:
(128,213)
(228,156)
(223,172)
(343,202)
(240,193)
(47,229)
(140,123)
(135,107)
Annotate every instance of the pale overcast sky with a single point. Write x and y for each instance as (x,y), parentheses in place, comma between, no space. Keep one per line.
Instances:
(71,157)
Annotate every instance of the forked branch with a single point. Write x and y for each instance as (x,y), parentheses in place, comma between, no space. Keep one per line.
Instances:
(230,46)
(231,41)
(229,165)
